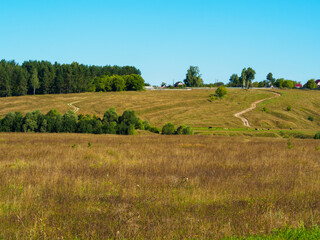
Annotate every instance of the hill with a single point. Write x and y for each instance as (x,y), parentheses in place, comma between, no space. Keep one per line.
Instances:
(188,107)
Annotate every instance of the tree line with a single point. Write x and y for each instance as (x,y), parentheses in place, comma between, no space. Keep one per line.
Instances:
(55,122)
(43,77)
(248,75)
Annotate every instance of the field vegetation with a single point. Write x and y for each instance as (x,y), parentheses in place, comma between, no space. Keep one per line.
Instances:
(82,186)
(191,108)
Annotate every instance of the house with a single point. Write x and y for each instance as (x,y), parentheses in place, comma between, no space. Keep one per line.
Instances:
(298,86)
(318,83)
(163,85)
(178,84)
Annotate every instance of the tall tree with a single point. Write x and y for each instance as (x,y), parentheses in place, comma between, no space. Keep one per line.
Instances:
(193,77)
(234,80)
(271,79)
(250,76)
(5,86)
(22,83)
(247,76)
(244,77)
(34,80)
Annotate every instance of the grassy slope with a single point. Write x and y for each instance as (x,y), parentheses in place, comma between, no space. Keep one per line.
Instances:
(190,108)
(200,187)
(159,107)
(304,103)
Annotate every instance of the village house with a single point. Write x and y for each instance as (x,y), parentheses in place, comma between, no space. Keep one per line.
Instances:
(178,84)
(318,83)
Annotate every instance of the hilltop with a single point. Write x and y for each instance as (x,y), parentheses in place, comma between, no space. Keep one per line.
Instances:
(187,107)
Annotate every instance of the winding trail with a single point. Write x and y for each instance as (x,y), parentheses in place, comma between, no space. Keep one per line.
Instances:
(253,106)
(75,109)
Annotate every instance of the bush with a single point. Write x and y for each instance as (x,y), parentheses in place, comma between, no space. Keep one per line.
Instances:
(221,91)
(317,136)
(310,118)
(146,125)
(265,109)
(180,129)
(168,129)
(187,131)
(289,108)
(154,130)
(183,130)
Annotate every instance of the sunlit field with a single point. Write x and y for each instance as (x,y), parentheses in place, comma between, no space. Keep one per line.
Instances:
(187,107)
(77,186)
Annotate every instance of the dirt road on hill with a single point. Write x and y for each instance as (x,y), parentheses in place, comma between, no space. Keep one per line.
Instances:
(253,106)
(74,108)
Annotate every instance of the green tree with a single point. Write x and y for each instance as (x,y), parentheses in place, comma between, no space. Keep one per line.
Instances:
(69,122)
(34,80)
(168,129)
(271,79)
(134,82)
(110,121)
(118,83)
(193,77)
(22,83)
(5,85)
(31,121)
(250,76)
(52,118)
(234,81)
(311,84)
(7,123)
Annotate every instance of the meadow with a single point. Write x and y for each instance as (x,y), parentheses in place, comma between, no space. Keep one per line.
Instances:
(82,186)
(190,108)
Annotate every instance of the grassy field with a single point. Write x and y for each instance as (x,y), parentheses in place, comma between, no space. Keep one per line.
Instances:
(188,107)
(304,103)
(55,186)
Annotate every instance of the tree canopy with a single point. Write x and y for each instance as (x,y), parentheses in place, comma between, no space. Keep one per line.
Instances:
(43,77)
(193,77)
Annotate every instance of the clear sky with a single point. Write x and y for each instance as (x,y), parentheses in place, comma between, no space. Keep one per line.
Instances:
(164,37)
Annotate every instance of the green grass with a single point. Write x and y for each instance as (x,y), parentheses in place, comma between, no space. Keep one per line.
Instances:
(285,234)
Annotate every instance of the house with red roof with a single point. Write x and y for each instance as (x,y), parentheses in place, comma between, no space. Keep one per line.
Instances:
(298,85)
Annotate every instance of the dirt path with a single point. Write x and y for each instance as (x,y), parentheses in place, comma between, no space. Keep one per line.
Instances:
(74,108)
(253,106)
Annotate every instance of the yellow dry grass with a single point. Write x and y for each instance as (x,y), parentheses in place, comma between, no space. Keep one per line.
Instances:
(304,103)
(186,107)
(53,186)
(158,107)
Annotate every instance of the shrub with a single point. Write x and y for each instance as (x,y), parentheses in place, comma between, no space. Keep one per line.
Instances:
(310,118)
(265,109)
(146,125)
(154,130)
(187,131)
(317,136)
(184,130)
(168,129)
(221,91)
(180,129)
(289,108)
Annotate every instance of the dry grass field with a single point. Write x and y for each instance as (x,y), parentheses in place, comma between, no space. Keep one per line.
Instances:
(304,103)
(55,186)
(187,107)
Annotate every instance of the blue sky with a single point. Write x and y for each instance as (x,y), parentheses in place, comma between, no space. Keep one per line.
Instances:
(163,38)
